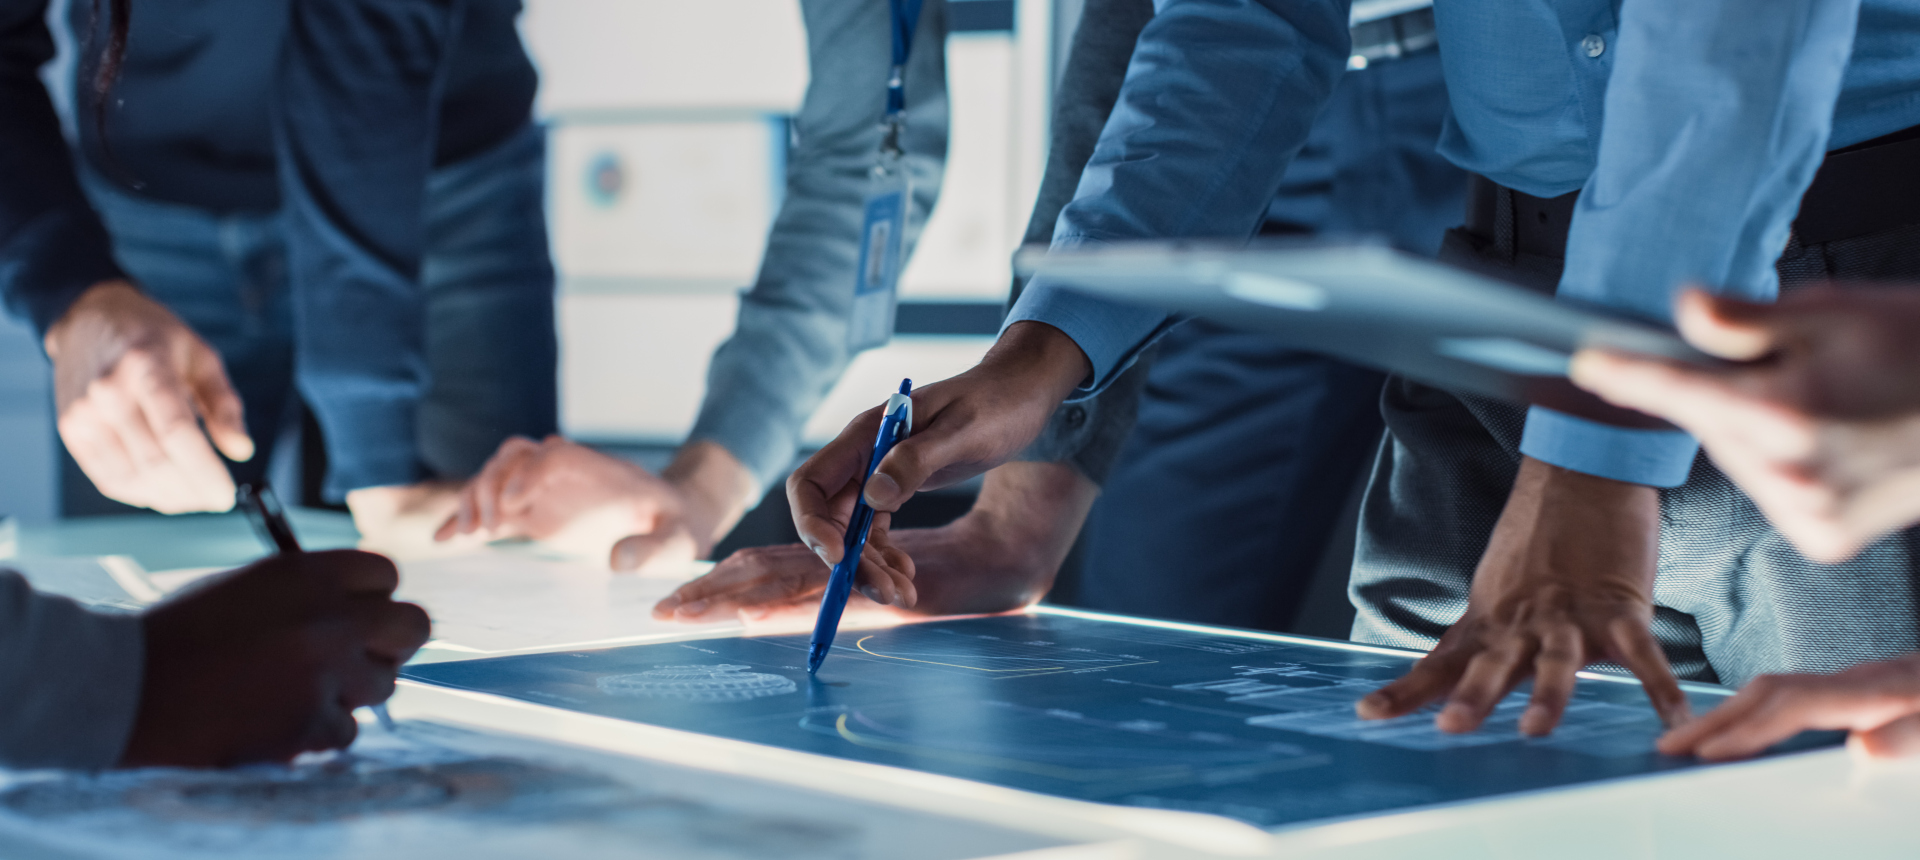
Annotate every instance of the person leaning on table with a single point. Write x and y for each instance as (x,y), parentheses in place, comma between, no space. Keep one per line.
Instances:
(1821,427)
(1513,543)
(260,664)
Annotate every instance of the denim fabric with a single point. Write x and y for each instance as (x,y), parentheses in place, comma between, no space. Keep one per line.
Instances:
(1716,116)
(1220,504)
(789,345)
(488,286)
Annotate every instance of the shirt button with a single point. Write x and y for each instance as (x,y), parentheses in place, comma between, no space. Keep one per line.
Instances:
(1076,416)
(1594,45)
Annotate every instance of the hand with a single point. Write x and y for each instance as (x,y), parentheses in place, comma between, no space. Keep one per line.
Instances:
(565,493)
(961,427)
(269,661)
(131,384)
(1001,556)
(1878,702)
(1567,579)
(1821,426)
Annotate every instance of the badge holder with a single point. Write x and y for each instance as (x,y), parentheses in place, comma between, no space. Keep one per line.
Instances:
(883,230)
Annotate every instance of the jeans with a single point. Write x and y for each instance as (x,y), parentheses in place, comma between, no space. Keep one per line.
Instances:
(492,351)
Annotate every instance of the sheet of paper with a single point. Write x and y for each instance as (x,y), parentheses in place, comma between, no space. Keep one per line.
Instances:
(112,583)
(436,791)
(1251,727)
(505,600)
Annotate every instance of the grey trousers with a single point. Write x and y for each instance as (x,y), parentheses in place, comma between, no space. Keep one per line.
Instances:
(1733,598)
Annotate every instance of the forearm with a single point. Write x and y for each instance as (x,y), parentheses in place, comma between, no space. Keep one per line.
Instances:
(52,245)
(70,679)
(1716,121)
(789,346)
(1218,98)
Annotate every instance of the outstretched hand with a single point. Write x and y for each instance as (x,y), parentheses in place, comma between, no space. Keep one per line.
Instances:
(1566,580)
(1821,423)
(269,661)
(1878,702)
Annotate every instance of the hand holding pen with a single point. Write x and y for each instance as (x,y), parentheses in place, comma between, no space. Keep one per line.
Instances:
(896,422)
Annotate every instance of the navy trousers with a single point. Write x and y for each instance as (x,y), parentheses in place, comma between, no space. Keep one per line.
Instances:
(1224,497)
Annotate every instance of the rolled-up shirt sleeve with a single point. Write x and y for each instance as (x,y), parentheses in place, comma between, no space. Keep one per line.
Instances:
(1717,117)
(789,345)
(1218,98)
(69,678)
(52,245)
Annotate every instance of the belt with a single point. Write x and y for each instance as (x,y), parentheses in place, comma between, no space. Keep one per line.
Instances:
(1861,189)
(1391,38)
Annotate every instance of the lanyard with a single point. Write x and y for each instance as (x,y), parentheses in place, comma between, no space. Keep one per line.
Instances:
(905,17)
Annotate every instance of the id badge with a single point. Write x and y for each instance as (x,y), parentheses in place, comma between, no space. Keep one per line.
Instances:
(882,255)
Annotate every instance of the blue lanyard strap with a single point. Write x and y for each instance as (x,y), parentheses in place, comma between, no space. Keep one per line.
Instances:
(906,19)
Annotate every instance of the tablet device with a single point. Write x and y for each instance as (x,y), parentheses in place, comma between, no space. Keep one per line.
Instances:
(1372,305)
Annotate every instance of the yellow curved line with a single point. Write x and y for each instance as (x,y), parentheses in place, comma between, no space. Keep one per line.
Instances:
(862,645)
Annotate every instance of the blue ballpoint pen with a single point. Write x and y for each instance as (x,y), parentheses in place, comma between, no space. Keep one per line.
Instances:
(270,519)
(893,428)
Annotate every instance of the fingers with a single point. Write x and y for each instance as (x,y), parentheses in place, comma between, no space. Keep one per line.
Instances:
(218,404)
(1429,679)
(821,492)
(947,451)
(1687,737)
(1492,674)
(1897,739)
(393,632)
(1729,328)
(1556,669)
(749,580)
(674,546)
(356,573)
(479,500)
(1633,645)
(885,575)
(167,405)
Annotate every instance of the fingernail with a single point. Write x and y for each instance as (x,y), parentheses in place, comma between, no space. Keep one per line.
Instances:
(754,613)
(820,551)
(881,490)
(1532,721)
(694,608)
(872,593)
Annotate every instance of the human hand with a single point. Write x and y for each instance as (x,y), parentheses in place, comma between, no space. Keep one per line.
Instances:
(1878,702)
(1566,579)
(962,427)
(131,386)
(1001,555)
(269,661)
(570,495)
(1820,426)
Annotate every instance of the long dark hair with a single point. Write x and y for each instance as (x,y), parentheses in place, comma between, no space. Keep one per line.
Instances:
(106,65)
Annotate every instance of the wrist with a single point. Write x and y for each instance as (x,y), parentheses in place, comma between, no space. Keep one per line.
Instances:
(96,302)
(1042,357)
(714,487)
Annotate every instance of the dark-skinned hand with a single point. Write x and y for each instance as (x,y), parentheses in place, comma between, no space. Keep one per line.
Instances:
(1566,580)
(270,660)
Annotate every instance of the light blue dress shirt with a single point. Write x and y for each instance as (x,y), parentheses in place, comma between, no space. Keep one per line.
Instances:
(1716,116)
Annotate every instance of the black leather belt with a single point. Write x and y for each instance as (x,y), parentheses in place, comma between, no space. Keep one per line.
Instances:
(1393,37)
(1862,189)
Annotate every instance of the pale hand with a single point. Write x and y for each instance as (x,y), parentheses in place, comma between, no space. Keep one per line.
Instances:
(1567,579)
(132,385)
(582,500)
(1878,702)
(1821,424)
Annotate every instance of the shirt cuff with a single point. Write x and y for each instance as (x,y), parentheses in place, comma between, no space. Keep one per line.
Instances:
(45,268)
(1110,333)
(1656,458)
(71,680)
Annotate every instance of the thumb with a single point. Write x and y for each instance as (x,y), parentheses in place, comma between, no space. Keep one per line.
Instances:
(219,405)
(1729,328)
(636,551)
